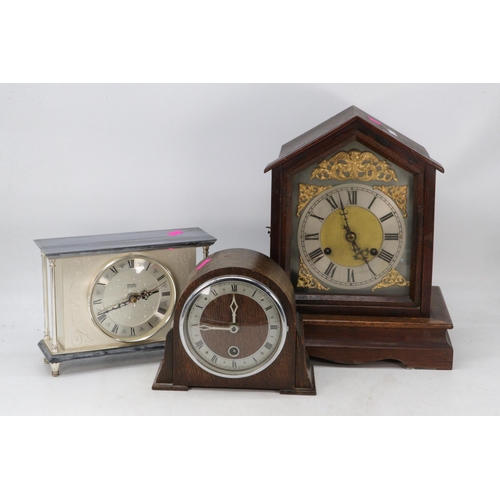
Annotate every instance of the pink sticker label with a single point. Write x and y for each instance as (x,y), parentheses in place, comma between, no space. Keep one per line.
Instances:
(374,121)
(204,263)
(175,233)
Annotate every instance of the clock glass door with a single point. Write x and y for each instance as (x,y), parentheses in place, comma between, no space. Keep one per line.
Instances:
(352,225)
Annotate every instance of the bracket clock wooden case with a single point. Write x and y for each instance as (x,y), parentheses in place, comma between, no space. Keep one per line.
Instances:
(236,327)
(115,293)
(352,224)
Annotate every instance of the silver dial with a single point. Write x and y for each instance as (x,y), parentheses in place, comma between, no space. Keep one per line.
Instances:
(132,298)
(233,326)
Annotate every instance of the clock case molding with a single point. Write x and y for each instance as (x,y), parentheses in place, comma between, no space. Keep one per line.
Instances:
(360,328)
(290,373)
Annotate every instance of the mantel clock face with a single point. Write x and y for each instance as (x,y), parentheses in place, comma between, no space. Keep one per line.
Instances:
(352,225)
(233,326)
(132,298)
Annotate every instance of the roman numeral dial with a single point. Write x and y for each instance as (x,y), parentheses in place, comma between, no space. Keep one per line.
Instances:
(132,298)
(233,326)
(350,236)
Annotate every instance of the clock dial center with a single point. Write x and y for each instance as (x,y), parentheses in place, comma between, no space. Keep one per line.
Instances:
(351,246)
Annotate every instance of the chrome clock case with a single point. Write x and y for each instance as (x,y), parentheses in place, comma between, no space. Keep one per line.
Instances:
(153,265)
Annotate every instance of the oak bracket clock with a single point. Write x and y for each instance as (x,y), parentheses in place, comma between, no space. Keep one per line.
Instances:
(115,293)
(236,327)
(352,225)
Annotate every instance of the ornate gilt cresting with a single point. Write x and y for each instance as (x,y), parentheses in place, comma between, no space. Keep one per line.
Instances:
(356,166)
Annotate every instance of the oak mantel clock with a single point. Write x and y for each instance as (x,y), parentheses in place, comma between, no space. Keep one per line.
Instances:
(236,327)
(115,293)
(352,224)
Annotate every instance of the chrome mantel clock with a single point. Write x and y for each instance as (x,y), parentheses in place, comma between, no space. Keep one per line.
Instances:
(352,224)
(114,293)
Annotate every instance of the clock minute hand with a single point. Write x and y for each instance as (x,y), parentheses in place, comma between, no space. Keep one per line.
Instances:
(351,238)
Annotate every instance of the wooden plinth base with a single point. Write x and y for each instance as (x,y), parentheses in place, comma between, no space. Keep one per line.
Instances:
(415,342)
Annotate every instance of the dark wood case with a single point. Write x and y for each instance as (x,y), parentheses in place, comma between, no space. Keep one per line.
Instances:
(422,302)
(290,373)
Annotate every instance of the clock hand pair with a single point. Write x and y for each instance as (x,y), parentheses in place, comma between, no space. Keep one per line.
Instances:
(351,238)
(132,299)
(233,327)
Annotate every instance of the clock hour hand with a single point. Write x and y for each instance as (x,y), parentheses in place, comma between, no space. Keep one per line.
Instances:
(145,294)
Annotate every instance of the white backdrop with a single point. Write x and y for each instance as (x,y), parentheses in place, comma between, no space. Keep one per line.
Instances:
(100,158)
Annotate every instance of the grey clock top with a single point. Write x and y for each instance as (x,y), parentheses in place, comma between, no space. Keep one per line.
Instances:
(124,242)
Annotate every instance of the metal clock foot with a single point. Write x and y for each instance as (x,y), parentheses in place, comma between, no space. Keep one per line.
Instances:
(55,369)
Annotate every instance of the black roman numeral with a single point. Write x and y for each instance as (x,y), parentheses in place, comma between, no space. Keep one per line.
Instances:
(391,236)
(316,255)
(386,217)
(330,270)
(385,255)
(313,236)
(317,217)
(113,268)
(269,346)
(332,202)
(350,276)
(234,288)
(352,197)
(199,344)
(131,263)
(161,277)
(162,311)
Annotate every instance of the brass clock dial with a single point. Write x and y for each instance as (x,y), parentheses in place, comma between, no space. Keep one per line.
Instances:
(233,326)
(132,298)
(350,236)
